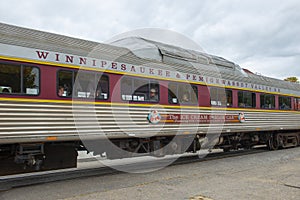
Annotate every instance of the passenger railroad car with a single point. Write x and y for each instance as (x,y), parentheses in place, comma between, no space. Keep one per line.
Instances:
(60,94)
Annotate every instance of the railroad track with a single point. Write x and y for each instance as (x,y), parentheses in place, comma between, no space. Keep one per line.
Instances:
(20,180)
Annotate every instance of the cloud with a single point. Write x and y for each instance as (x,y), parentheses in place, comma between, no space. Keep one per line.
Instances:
(255,34)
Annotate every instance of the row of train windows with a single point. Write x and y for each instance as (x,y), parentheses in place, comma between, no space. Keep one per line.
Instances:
(133,89)
(93,85)
(145,90)
(25,80)
(246,99)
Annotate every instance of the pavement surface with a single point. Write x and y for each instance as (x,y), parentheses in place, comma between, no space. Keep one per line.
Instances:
(270,175)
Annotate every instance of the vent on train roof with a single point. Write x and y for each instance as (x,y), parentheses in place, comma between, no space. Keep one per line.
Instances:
(152,50)
(178,53)
(219,61)
(140,48)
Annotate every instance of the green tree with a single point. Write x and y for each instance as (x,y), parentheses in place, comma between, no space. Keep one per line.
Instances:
(293,79)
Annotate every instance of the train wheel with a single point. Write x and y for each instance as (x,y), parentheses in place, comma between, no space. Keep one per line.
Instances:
(296,141)
(273,143)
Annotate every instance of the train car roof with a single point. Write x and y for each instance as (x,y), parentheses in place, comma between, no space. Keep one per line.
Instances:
(138,51)
(174,55)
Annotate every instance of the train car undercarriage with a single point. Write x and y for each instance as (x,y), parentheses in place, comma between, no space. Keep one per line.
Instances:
(21,158)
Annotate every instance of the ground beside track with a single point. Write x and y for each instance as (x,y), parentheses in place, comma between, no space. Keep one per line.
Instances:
(269,175)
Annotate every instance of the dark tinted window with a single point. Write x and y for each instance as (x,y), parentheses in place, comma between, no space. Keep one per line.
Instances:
(246,99)
(82,85)
(136,89)
(267,101)
(284,103)
(19,79)
(297,103)
(220,97)
(182,93)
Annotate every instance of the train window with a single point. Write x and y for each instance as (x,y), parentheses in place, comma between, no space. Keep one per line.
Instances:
(229,97)
(83,84)
(220,97)
(135,89)
(31,80)
(65,83)
(297,103)
(102,88)
(267,101)
(284,103)
(246,99)
(19,79)
(182,93)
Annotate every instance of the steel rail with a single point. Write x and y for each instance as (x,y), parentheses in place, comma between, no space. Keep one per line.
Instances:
(27,179)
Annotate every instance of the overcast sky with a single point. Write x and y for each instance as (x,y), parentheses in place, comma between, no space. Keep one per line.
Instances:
(262,36)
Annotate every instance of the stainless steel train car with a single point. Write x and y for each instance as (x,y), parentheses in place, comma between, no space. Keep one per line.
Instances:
(60,94)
